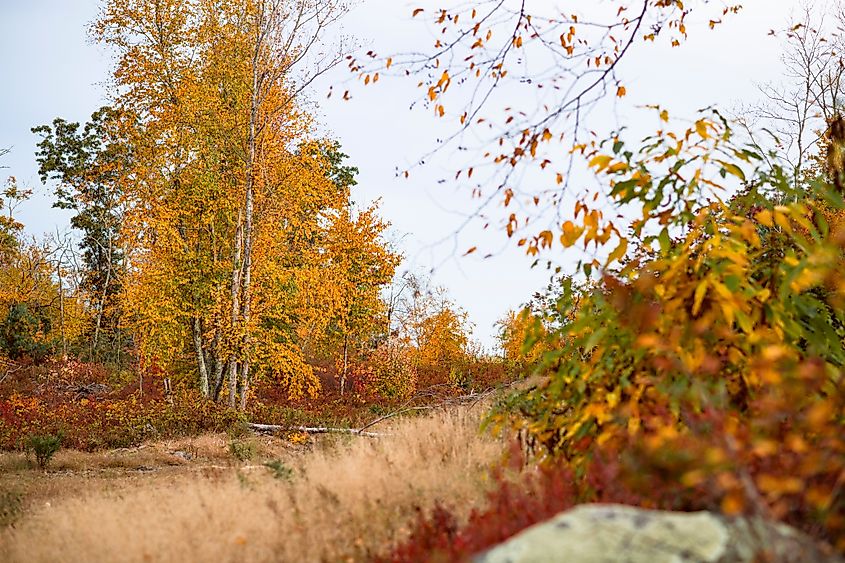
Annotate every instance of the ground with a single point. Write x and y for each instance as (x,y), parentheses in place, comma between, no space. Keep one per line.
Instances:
(300,498)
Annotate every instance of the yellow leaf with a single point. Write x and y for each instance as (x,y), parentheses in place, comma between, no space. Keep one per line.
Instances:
(700,292)
(600,162)
(782,221)
(732,169)
(570,234)
(777,486)
(764,218)
(618,252)
(701,128)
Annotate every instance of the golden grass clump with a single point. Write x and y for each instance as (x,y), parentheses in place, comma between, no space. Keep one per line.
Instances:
(344,502)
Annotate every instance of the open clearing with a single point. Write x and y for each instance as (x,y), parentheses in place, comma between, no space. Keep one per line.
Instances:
(334,498)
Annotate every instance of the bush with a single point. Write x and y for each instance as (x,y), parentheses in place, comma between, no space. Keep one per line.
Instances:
(11,507)
(44,447)
(91,424)
(714,361)
(460,377)
(242,449)
(280,470)
(238,430)
(388,372)
(511,507)
(19,334)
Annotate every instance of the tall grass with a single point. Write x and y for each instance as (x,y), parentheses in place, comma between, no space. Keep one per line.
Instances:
(346,502)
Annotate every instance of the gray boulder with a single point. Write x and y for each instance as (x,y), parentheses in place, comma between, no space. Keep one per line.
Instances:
(595,533)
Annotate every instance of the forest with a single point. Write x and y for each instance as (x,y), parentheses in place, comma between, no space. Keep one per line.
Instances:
(228,354)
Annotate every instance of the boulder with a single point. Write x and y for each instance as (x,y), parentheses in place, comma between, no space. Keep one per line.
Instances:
(595,533)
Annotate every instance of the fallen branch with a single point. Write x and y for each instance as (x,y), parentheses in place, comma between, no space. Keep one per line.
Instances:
(311,430)
(397,413)
(472,399)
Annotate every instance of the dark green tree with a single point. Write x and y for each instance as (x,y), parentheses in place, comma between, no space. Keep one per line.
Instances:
(19,333)
(87,164)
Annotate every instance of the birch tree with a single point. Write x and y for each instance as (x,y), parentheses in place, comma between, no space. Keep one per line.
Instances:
(231,199)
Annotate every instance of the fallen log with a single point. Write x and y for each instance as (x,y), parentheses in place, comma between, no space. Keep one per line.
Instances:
(311,430)
(471,399)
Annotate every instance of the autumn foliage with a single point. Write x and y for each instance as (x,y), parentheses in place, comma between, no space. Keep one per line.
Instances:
(711,353)
(689,356)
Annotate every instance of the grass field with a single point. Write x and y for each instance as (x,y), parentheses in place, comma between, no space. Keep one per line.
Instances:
(288,499)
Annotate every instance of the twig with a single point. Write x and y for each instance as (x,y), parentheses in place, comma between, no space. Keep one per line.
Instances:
(472,399)
(396,413)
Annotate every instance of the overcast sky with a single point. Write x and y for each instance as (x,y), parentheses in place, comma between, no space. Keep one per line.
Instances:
(49,69)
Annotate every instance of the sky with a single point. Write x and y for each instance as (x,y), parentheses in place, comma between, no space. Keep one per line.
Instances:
(49,68)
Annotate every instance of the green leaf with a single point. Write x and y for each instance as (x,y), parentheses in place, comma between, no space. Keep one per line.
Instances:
(664,240)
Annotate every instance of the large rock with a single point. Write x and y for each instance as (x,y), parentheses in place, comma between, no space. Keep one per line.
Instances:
(595,533)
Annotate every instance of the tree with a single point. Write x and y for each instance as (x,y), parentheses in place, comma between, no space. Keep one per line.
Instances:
(233,210)
(36,311)
(360,266)
(430,323)
(809,95)
(357,265)
(88,165)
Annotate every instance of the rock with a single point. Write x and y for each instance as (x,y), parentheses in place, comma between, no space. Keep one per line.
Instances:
(187,456)
(595,533)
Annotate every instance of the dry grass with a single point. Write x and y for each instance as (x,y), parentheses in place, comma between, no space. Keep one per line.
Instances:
(343,502)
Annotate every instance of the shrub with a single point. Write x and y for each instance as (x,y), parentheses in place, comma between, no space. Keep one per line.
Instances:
(511,507)
(20,333)
(460,377)
(388,372)
(238,430)
(110,423)
(44,447)
(280,470)
(713,361)
(11,507)
(242,449)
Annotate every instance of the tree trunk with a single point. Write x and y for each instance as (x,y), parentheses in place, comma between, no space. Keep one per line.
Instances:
(345,363)
(233,381)
(101,306)
(62,306)
(219,366)
(203,369)
(245,385)
(249,205)
(235,295)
